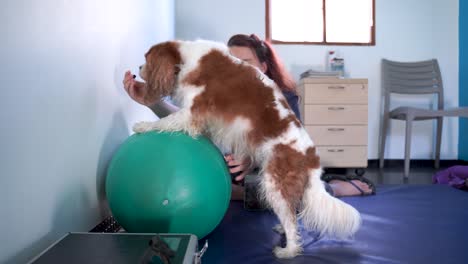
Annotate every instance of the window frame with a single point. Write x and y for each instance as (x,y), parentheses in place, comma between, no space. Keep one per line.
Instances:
(269,37)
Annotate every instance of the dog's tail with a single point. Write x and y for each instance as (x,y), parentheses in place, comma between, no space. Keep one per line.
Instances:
(326,214)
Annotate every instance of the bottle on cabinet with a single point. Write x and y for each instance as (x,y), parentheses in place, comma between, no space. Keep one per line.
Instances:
(335,63)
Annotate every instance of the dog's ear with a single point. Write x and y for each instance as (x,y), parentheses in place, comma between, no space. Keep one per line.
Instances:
(163,64)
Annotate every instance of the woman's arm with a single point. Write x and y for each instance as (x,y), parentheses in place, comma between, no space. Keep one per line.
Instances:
(163,108)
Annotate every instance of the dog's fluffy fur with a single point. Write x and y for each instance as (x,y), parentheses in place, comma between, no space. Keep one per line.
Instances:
(241,109)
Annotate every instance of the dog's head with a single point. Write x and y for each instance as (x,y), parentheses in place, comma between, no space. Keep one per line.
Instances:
(161,69)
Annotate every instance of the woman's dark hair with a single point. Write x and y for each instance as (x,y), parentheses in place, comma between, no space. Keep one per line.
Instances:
(265,53)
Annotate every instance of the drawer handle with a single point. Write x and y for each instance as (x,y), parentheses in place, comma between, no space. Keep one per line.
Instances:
(335,108)
(336,129)
(336,87)
(335,150)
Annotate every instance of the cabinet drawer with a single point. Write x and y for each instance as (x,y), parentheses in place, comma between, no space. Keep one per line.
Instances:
(335,93)
(338,135)
(342,156)
(335,114)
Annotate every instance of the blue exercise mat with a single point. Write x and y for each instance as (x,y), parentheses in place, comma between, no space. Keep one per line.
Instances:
(401,224)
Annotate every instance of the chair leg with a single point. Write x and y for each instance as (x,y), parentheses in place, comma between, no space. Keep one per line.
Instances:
(383,137)
(440,122)
(408,145)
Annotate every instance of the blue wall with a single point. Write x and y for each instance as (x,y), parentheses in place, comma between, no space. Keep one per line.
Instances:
(463,84)
(63,110)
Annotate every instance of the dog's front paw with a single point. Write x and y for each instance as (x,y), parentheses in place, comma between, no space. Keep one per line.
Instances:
(142,127)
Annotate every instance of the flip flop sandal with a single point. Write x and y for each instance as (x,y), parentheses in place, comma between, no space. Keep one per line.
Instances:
(364,180)
(349,178)
(357,187)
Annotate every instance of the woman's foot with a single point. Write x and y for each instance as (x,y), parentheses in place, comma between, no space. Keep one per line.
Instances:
(346,188)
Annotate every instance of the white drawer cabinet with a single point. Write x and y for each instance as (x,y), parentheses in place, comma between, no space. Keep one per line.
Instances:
(334,112)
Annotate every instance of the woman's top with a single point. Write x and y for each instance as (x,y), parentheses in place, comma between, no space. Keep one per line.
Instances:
(293,101)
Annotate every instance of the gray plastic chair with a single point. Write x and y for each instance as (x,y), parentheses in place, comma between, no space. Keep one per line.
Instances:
(413,78)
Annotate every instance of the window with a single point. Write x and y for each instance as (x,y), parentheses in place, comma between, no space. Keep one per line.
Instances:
(326,22)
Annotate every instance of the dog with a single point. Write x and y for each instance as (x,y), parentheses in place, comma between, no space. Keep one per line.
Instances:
(239,108)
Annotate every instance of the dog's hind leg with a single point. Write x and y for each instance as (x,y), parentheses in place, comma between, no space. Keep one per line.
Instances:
(178,121)
(287,217)
(278,229)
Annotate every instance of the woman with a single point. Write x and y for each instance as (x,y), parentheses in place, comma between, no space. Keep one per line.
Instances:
(260,54)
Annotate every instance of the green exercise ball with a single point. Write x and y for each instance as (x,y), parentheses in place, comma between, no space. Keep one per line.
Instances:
(168,183)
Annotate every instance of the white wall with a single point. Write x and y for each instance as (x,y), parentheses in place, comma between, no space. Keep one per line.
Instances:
(405,30)
(63,110)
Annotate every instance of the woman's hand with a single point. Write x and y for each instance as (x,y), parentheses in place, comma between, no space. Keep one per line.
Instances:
(238,166)
(136,90)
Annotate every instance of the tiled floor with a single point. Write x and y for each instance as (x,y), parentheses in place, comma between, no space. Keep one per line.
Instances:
(394,174)
(418,175)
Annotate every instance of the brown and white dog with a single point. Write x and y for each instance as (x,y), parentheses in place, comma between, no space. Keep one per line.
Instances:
(241,109)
